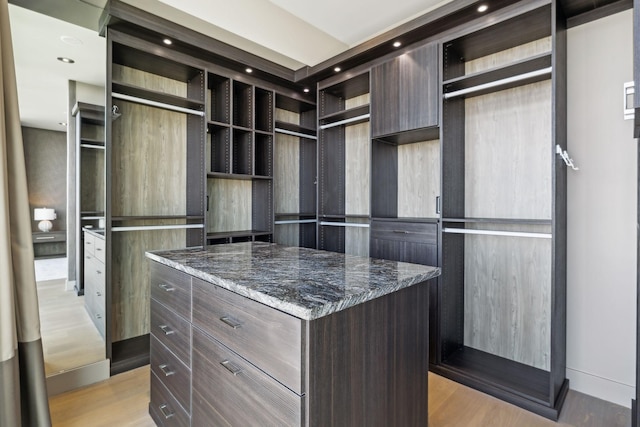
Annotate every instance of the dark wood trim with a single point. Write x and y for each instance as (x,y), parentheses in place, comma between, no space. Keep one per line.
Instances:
(130,354)
(599,12)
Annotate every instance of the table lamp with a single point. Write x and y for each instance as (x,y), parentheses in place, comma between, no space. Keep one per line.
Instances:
(44,215)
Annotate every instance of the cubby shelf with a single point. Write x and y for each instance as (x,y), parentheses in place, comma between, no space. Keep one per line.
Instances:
(241,176)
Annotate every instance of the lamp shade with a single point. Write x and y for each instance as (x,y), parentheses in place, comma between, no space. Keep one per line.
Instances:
(44,214)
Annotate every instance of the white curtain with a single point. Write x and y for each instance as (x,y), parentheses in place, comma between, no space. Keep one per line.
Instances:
(23,394)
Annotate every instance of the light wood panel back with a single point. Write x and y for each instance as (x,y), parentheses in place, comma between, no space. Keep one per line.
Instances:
(229,205)
(92,180)
(507,295)
(357,101)
(509,55)
(130,278)
(148,161)
(128,75)
(357,169)
(508,153)
(418,179)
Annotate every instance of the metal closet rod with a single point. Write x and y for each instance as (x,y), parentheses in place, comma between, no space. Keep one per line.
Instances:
(156,104)
(344,224)
(157,227)
(536,73)
(296,221)
(292,133)
(498,233)
(345,121)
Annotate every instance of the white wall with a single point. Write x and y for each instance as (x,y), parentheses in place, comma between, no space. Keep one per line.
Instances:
(602,219)
(90,94)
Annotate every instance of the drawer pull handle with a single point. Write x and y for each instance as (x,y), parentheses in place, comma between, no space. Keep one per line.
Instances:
(98,316)
(167,330)
(98,249)
(166,412)
(166,288)
(46,238)
(229,321)
(401,231)
(98,293)
(98,271)
(165,370)
(235,370)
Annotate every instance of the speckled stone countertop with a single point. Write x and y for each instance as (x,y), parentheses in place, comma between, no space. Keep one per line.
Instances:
(305,283)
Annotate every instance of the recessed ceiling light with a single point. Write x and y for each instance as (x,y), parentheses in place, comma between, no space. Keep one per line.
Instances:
(483,8)
(337,69)
(249,70)
(168,42)
(70,40)
(65,60)
(306,90)
(397,44)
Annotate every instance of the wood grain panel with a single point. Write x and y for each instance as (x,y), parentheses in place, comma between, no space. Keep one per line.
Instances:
(287,116)
(508,153)
(287,234)
(229,205)
(356,241)
(92,180)
(508,56)
(357,169)
(286,178)
(356,101)
(130,278)
(418,179)
(149,161)
(507,296)
(132,76)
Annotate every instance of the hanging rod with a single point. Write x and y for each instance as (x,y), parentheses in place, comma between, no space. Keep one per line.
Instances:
(296,221)
(345,121)
(157,104)
(496,83)
(498,233)
(292,133)
(97,147)
(344,224)
(157,227)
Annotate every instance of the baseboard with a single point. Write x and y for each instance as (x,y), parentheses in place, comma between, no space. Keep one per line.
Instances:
(70,285)
(79,377)
(602,388)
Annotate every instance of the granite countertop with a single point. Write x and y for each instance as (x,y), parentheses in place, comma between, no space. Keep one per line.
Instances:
(306,283)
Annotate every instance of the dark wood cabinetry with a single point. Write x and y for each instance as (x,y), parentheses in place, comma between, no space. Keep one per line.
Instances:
(404,96)
(239,362)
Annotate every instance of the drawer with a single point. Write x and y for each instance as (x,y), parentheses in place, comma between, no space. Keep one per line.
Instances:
(48,237)
(99,248)
(174,374)
(172,288)
(268,338)
(164,408)
(89,244)
(228,390)
(420,232)
(171,330)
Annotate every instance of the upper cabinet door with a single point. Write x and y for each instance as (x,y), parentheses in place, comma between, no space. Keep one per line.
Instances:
(404,92)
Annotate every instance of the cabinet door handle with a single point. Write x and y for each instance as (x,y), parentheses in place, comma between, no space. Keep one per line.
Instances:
(167,330)
(235,370)
(166,288)
(438,205)
(229,321)
(98,271)
(165,370)
(98,316)
(98,293)
(166,412)
(401,231)
(98,249)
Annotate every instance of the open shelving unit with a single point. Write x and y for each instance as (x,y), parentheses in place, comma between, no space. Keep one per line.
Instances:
(502,309)
(155,179)
(295,172)
(344,150)
(240,138)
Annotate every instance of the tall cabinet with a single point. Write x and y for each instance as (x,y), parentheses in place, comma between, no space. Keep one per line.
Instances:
(503,232)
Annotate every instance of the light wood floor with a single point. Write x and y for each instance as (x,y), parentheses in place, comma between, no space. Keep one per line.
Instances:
(123,401)
(69,338)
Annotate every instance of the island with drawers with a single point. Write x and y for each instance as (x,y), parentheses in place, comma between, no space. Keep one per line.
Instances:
(257,333)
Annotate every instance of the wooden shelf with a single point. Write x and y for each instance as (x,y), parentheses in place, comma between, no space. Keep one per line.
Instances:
(155,96)
(530,221)
(219,175)
(211,124)
(305,131)
(526,71)
(404,219)
(156,217)
(239,233)
(351,113)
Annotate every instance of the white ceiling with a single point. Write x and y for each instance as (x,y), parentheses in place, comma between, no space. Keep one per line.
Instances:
(293,33)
